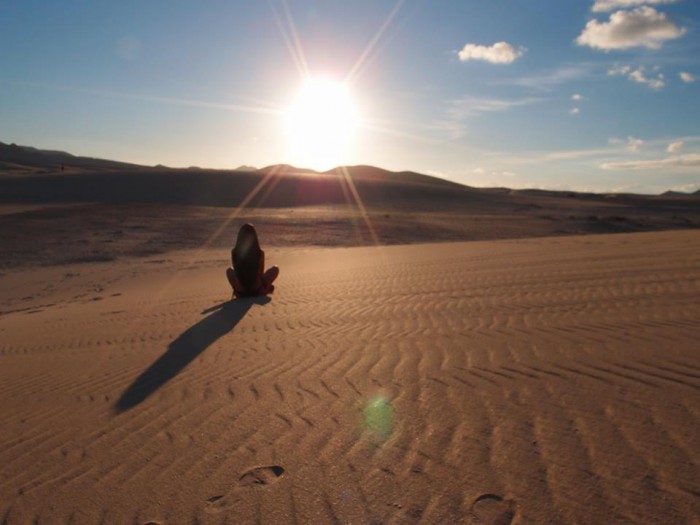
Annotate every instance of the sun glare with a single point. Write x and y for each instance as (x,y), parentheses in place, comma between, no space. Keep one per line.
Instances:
(320,124)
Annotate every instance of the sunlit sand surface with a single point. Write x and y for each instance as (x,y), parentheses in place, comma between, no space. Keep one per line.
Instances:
(552,380)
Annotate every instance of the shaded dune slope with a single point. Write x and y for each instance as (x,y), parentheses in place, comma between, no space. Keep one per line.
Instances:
(218,188)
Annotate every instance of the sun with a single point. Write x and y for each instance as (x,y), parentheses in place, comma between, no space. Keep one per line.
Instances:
(321,123)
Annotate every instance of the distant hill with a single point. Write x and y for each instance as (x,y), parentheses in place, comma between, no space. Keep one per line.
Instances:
(26,159)
(100,180)
(273,186)
(363,173)
(286,169)
(372,173)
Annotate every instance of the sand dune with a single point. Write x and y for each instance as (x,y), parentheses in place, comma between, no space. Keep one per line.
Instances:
(552,380)
(102,212)
(16,159)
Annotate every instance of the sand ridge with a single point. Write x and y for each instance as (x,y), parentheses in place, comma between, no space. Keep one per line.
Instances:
(551,380)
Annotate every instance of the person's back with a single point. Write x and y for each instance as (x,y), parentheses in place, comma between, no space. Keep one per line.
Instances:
(247,276)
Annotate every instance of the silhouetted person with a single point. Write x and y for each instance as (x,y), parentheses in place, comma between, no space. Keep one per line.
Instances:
(247,276)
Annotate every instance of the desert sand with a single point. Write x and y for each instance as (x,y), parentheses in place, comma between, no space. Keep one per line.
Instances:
(551,380)
(57,208)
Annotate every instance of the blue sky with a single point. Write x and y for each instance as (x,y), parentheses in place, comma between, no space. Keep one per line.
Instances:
(597,95)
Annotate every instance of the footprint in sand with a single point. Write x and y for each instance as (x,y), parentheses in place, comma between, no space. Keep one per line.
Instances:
(493,509)
(261,476)
(221,503)
(253,477)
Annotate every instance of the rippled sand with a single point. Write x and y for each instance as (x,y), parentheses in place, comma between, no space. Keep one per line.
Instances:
(552,380)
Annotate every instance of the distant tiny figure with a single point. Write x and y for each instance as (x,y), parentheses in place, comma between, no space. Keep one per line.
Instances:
(247,276)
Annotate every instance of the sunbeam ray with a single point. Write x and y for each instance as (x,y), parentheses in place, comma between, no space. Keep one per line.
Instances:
(349,201)
(270,188)
(360,205)
(270,110)
(397,133)
(295,38)
(292,43)
(239,209)
(364,57)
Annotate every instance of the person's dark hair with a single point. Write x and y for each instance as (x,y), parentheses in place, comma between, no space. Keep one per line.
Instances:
(246,255)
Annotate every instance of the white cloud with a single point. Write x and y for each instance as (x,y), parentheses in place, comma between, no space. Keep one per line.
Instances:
(641,27)
(499,53)
(634,144)
(657,82)
(675,147)
(574,111)
(687,188)
(491,177)
(608,5)
(638,75)
(576,96)
(682,161)
(686,77)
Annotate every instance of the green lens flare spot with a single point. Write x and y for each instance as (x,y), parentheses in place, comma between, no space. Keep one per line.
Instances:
(378,416)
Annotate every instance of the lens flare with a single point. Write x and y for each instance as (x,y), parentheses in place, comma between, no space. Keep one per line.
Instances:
(378,416)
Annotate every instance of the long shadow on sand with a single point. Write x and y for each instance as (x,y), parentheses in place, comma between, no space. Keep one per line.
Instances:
(182,351)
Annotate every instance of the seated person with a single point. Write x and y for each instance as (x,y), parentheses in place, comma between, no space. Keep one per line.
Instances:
(247,276)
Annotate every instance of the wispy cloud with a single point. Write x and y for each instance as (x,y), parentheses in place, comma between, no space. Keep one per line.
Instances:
(639,75)
(617,147)
(574,111)
(498,53)
(548,80)
(619,70)
(641,27)
(609,5)
(573,154)
(576,97)
(493,173)
(458,111)
(686,77)
(634,144)
(687,188)
(675,147)
(657,82)
(681,161)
